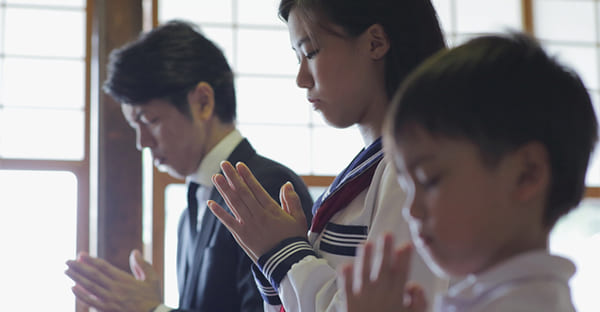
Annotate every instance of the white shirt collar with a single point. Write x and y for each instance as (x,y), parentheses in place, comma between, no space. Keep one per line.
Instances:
(521,267)
(211,162)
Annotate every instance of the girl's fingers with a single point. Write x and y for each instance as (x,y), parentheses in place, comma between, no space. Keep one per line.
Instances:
(239,193)
(291,203)
(259,193)
(228,220)
(237,207)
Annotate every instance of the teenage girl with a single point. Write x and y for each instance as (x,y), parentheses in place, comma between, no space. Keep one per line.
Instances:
(352,57)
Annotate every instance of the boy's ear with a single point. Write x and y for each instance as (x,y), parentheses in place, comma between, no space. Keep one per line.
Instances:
(202,101)
(379,41)
(534,171)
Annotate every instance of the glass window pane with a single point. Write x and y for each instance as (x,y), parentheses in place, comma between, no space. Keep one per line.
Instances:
(593,174)
(2,82)
(43,83)
(584,60)
(261,12)
(317,118)
(2,30)
(476,16)
(41,134)
(333,149)
(57,3)
(175,203)
(444,12)
(288,145)
(577,237)
(271,101)
(265,52)
(62,33)
(196,11)
(223,38)
(38,247)
(570,20)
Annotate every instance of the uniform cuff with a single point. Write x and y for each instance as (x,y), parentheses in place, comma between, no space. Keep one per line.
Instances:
(275,264)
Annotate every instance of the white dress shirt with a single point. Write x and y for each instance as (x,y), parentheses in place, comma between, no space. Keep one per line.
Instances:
(532,281)
(208,167)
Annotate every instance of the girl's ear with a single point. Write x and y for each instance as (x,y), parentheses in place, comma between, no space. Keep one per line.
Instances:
(202,101)
(379,41)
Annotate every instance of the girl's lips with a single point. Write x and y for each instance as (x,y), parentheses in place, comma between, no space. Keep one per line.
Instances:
(315,103)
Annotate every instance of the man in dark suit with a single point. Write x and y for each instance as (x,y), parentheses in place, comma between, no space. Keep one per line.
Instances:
(177,92)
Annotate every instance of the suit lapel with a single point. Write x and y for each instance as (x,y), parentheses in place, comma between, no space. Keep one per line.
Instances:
(199,245)
(242,152)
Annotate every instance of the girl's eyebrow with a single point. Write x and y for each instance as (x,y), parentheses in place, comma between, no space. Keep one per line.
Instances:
(300,42)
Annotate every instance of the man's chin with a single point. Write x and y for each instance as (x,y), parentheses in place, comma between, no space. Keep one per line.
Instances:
(170,171)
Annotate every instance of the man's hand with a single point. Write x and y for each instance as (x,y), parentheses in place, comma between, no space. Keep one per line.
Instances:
(259,223)
(377,280)
(107,288)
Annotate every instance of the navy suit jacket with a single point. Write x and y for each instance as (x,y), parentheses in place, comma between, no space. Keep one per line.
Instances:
(220,277)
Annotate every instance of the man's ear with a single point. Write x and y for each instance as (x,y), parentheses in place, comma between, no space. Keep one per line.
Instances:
(379,41)
(534,175)
(202,101)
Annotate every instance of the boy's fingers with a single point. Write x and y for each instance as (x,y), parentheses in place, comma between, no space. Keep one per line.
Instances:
(416,298)
(401,266)
(384,258)
(364,266)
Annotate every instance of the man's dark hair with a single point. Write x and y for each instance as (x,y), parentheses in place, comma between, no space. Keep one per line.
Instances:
(167,63)
(501,92)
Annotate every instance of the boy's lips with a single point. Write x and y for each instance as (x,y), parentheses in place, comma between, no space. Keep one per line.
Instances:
(159,161)
(425,239)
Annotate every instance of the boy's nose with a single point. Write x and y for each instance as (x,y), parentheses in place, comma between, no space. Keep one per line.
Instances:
(414,207)
(144,139)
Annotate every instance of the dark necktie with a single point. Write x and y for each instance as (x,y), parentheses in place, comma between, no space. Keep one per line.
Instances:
(193,205)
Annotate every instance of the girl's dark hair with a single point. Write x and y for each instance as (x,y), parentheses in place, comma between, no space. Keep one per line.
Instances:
(411,25)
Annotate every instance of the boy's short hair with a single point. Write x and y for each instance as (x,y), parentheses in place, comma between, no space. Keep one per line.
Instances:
(501,92)
(168,62)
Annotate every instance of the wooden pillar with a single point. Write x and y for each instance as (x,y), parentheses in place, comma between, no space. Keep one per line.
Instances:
(117,165)
(527,16)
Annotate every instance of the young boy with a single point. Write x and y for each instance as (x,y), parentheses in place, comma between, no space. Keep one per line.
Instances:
(491,140)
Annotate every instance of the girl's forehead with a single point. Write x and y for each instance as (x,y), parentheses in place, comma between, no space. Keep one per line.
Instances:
(314,24)
(302,29)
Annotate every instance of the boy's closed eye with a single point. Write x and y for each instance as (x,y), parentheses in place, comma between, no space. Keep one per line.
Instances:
(148,120)
(427,178)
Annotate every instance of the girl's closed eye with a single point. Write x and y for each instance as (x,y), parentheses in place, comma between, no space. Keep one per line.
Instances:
(311,54)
